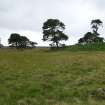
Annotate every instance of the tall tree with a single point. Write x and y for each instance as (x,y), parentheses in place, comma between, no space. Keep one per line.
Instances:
(53,31)
(95,25)
(93,37)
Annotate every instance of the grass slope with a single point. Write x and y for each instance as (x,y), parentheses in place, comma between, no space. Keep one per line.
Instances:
(88,47)
(37,77)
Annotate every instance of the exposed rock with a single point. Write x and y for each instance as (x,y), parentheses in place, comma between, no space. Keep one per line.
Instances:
(99,93)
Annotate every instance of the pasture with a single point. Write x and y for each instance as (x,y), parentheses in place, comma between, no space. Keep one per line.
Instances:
(43,77)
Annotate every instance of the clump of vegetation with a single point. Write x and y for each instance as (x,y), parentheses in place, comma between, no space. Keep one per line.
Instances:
(18,41)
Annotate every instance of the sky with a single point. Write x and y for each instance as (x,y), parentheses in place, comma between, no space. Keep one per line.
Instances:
(26,17)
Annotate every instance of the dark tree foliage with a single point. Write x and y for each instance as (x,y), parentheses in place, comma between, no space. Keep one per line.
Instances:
(99,40)
(33,44)
(95,25)
(1,46)
(88,38)
(53,31)
(23,42)
(93,37)
(14,39)
(81,40)
(19,41)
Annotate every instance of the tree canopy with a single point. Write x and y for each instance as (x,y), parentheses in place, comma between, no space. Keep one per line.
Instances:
(14,39)
(93,37)
(18,41)
(53,31)
(95,25)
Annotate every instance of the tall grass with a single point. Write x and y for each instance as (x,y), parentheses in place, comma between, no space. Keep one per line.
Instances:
(40,77)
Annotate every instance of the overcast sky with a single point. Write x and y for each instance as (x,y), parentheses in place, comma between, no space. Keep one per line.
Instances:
(26,17)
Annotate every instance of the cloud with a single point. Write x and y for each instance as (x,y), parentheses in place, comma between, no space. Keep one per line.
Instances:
(27,16)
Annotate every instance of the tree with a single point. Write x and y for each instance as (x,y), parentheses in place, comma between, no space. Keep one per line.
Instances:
(23,42)
(33,44)
(93,37)
(1,46)
(95,25)
(14,39)
(88,38)
(19,41)
(99,40)
(81,40)
(53,31)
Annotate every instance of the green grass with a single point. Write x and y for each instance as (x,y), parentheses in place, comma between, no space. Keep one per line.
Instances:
(41,77)
(88,47)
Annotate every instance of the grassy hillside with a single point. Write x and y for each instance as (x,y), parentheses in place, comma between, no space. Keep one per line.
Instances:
(88,47)
(39,77)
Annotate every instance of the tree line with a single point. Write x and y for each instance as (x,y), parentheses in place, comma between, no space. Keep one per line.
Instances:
(53,30)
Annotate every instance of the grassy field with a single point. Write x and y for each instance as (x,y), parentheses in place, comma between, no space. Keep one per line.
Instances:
(41,77)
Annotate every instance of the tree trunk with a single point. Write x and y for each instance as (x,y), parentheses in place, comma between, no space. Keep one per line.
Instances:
(57,45)
(16,44)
